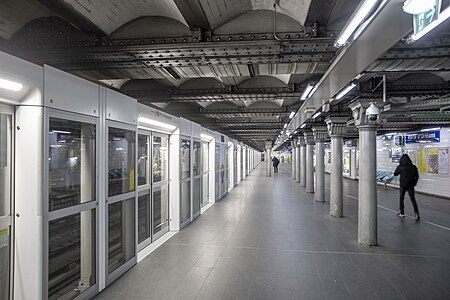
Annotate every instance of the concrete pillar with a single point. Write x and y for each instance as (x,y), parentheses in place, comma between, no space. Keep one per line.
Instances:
(320,135)
(294,158)
(268,158)
(297,162)
(336,129)
(309,139)
(302,161)
(367,202)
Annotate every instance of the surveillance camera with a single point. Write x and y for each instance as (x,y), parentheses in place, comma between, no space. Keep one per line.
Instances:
(372,112)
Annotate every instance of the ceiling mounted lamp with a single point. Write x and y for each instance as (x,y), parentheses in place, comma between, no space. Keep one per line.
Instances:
(309,90)
(316,114)
(292,114)
(357,19)
(346,90)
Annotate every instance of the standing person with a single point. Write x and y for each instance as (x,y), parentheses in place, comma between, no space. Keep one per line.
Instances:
(408,180)
(275,162)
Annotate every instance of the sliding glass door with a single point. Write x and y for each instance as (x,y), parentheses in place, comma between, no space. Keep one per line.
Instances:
(185,176)
(160,184)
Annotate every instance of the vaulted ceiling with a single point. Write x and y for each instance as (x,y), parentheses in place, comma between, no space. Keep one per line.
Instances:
(235,66)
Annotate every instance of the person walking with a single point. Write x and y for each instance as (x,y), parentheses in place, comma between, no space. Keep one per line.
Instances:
(275,163)
(408,180)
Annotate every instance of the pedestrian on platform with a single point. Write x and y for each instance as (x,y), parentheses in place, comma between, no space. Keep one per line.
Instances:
(275,162)
(408,180)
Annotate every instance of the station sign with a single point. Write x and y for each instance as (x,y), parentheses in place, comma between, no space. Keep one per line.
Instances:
(424,19)
(423,137)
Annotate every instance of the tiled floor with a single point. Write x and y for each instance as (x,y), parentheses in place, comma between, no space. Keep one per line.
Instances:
(269,240)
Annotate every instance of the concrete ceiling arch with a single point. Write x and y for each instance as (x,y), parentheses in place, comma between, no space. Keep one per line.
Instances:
(262,82)
(112,14)
(151,27)
(201,83)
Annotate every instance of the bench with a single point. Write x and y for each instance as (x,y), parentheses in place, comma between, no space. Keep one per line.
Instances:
(385,177)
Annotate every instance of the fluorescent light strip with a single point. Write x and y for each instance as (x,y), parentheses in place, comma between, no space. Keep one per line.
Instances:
(285,125)
(345,91)
(316,114)
(307,91)
(442,17)
(358,18)
(292,114)
(157,123)
(60,131)
(10,85)
(303,125)
(431,129)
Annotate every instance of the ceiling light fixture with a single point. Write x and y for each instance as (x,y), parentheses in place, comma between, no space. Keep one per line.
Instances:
(316,114)
(156,123)
(303,125)
(292,114)
(345,91)
(285,125)
(10,85)
(357,18)
(431,129)
(308,91)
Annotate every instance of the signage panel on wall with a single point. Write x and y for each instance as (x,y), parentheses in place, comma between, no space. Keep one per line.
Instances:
(423,137)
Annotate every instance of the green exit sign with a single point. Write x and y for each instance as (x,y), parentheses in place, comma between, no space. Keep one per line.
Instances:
(422,20)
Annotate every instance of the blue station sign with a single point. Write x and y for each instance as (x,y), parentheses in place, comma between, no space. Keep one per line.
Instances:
(423,137)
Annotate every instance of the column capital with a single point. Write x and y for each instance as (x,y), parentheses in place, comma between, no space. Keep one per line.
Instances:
(301,140)
(268,145)
(337,126)
(294,143)
(309,137)
(359,109)
(320,133)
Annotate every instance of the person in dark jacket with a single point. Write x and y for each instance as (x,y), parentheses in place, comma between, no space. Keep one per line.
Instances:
(408,180)
(275,163)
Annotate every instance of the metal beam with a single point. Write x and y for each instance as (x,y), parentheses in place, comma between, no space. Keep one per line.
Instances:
(193,13)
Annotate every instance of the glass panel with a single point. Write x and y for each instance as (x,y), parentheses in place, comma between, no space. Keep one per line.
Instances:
(185,210)
(120,233)
(185,158)
(143,170)
(196,193)
(143,218)
(161,210)
(72,255)
(205,157)
(5,255)
(205,188)
(121,155)
(160,158)
(5,165)
(71,163)
(217,179)
(196,160)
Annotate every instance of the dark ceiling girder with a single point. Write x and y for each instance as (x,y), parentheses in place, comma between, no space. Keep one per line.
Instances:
(193,13)
(69,14)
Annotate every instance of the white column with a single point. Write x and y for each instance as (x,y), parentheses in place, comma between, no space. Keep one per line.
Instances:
(309,162)
(302,161)
(336,129)
(320,135)
(294,159)
(268,159)
(297,163)
(367,202)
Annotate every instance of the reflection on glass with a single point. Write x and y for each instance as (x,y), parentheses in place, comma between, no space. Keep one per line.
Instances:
(121,155)
(143,174)
(71,261)
(205,165)
(185,158)
(71,163)
(160,158)
(5,165)
(5,249)
(120,233)
(196,162)
(217,177)
(143,218)
(185,210)
(205,187)
(196,193)
(160,211)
